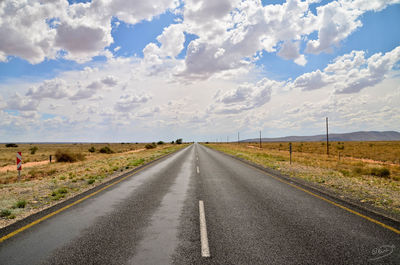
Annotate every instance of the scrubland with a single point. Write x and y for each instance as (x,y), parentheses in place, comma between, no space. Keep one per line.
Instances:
(367,172)
(43,184)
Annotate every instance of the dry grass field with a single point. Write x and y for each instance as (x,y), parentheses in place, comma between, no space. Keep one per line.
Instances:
(368,172)
(43,184)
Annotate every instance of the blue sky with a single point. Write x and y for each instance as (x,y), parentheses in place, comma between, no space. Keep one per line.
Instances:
(204,75)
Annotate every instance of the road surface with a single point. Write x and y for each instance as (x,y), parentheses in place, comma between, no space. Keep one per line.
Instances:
(153,217)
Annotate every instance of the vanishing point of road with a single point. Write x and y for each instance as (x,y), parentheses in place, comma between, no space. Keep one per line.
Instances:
(198,206)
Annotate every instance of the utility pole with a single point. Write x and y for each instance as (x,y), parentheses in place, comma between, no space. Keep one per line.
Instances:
(260,140)
(327,137)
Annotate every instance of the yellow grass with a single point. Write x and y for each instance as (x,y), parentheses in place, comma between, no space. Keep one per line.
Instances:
(46,184)
(350,176)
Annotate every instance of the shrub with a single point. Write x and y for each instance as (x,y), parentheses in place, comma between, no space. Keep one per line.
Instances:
(172,142)
(150,146)
(90,181)
(5,213)
(21,204)
(67,156)
(92,149)
(11,145)
(106,150)
(179,141)
(160,142)
(380,172)
(33,149)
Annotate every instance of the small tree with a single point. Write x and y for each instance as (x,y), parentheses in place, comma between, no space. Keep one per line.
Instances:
(160,142)
(179,141)
(172,142)
(92,149)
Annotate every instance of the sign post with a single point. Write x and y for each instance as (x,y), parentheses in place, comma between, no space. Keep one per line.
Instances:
(19,164)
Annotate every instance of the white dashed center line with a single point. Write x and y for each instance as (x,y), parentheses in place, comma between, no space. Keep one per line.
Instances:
(205,251)
(198,170)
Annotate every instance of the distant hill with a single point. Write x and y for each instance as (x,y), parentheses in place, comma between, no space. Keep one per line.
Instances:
(342,137)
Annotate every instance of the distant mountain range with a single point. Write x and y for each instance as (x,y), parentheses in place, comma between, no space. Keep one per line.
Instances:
(336,137)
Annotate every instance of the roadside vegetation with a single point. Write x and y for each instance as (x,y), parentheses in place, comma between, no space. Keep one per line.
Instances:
(368,172)
(74,169)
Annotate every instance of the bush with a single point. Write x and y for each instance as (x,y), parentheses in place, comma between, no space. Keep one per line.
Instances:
(150,146)
(179,141)
(106,150)
(90,181)
(5,213)
(160,142)
(172,142)
(92,149)
(67,156)
(11,145)
(380,172)
(21,204)
(33,150)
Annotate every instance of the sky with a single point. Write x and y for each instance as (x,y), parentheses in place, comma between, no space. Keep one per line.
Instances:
(138,71)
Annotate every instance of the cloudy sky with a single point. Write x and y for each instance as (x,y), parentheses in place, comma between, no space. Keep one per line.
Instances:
(116,70)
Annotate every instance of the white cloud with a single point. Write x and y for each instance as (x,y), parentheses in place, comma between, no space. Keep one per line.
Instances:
(129,102)
(290,51)
(54,89)
(351,72)
(17,102)
(245,97)
(110,81)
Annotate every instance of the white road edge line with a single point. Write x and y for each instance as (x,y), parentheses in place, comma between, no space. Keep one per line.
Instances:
(198,170)
(205,251)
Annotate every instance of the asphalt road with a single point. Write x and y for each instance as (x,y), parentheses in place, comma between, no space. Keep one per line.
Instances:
(152,217)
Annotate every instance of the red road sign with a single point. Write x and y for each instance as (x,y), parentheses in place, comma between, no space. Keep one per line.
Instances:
(19,161)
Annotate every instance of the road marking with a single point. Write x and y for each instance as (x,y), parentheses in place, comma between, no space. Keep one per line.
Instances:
(328,201)
(197,158)
(198,170)
(205,251)
(73,203)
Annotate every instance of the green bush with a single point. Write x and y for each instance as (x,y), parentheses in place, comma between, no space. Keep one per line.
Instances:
(90,181)
(179,141)
(106,150)
(172,142)
(5,213)
(11,145)
(33,149)
(67,156)
(380,172)
(150,146)
(160,142)
(92,149)
(21,204)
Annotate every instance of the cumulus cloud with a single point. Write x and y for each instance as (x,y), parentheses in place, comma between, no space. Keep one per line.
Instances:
(290,51)
(35,30)
(54,89)
(110,81)
(351,72)
(18,102)
(311,81)
(129,102)
(245,97)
